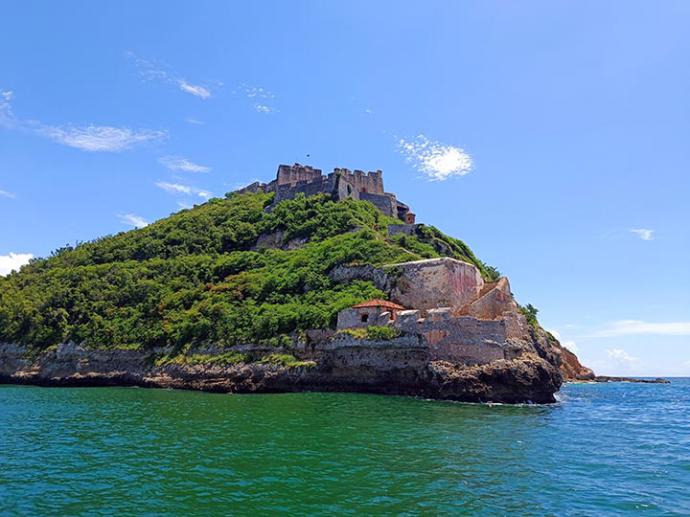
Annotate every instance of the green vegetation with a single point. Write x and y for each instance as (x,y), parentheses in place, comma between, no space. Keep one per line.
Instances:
(195,278)
(225,359)
(290,361)
(530,312)
(373,332)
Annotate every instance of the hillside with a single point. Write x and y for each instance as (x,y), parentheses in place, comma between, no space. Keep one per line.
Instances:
(225,273)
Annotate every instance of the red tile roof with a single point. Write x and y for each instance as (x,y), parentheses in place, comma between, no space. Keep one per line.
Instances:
(379,303)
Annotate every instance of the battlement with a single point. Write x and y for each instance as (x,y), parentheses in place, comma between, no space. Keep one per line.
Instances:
(295,173)
(340,184)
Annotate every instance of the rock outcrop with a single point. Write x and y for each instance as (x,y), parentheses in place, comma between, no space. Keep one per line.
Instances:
(401,366)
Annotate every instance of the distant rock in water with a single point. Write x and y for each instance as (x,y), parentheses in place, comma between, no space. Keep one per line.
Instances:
(606,378)
(309,282)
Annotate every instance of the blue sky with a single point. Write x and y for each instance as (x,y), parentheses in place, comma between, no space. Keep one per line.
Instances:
(551,136)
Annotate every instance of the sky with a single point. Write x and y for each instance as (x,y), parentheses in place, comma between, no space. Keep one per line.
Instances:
(552,137)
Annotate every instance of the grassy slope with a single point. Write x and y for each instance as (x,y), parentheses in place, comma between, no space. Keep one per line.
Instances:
(191,278)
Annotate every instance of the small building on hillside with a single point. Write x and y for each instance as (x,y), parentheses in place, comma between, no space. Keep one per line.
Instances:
(365,314)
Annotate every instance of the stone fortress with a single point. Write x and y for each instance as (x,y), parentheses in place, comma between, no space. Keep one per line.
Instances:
(340,184)
(442,308)
(444,305)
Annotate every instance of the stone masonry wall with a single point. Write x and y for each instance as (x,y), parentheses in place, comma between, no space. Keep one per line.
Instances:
(431,283)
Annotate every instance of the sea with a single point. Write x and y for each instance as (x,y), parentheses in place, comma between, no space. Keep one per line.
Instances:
(603,449)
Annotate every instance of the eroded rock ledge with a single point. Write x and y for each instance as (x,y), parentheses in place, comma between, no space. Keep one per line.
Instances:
(399,367)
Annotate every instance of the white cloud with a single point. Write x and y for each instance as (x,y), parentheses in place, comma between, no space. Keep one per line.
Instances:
(150,71)
(369,111)
(4,193)
(620,356)
(6,114)
(194,89)
(259,96)
(194,121)
(177,163)
(174,188)
(179,188)
(86,138)
(100,138)
(254,92)
(638,327)
(133,220)
(643,233)
(263,108)
(13,261)
(184,205)
(435,160)
(570,345)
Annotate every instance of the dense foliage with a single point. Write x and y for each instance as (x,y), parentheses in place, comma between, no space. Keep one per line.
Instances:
(203,276)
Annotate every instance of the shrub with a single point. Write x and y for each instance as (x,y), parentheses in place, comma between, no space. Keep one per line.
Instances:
(287,360)
(373,332)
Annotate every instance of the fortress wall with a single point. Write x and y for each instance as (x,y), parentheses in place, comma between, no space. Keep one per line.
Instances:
(494,303)
(308,188)
(383,202)
(442,282)
(465,339)
(294,173)
(371,182)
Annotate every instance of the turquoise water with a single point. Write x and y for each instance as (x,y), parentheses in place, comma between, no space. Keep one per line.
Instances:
(605,449)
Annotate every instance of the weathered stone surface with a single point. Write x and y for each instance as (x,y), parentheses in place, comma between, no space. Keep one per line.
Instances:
(463,340)
(431,283)
(571,367)
(405,229)
(359,318)
(399,366)
(493,304)
(341,184)
(345,274)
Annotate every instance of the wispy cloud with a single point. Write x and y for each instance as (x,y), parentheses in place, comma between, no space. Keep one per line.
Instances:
(194,89)
(179,188)
(643,233)
(87,138)
(6,114)
(184,205)
(4,193)
(621,357)
(152,71)
(177,163)
(435,160)
(638,327)
(13,262)
(254,92)
(194,121)
(133,220)
(260,97)
(263,108)
(100,138)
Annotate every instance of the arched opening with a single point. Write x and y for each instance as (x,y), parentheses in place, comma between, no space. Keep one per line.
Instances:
(365,318)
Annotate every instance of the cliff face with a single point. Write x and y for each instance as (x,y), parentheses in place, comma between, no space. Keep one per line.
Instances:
(571,369)
(396,367)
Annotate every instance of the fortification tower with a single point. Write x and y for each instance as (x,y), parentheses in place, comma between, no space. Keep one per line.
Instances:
(296,173)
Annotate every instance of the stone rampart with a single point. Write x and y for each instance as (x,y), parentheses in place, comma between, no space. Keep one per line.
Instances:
(440,282)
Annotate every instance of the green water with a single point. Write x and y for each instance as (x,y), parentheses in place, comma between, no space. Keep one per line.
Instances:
(606,449)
